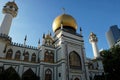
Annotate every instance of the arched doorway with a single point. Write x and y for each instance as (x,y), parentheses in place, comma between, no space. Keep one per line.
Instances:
(76,79)
(11,74)
(48,74)
(29,75)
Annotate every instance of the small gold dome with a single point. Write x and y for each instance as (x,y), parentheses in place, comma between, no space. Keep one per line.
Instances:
(66,21)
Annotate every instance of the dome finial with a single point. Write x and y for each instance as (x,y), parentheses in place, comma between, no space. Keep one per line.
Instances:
(63,9)
(13,0)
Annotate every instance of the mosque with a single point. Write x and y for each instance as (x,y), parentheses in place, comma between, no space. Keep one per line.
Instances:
(59,57)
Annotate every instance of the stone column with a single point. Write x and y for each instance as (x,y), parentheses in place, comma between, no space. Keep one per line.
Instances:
(13,56)
(2,46)
(30,56)
(20,70)
(63,52)
(42,54)
(85,63)
(38,69)
(55,73)
(41,73)
(64,71)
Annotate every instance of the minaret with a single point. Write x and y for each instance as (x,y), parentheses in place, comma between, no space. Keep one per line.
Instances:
(93,40)
(10,10)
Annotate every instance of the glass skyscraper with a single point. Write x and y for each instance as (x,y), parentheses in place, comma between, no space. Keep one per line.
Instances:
(113,35)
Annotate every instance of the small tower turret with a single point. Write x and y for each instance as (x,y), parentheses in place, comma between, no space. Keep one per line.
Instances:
(10,10)
(48,40)
(93,40)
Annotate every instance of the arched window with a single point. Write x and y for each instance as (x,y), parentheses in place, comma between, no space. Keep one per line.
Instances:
(46,56)
(33,57)
(48,74)
(9,54)
(49,57)
(26,56)
(75,60)
(17,55)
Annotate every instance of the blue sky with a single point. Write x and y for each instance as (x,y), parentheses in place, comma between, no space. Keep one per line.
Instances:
(35,17)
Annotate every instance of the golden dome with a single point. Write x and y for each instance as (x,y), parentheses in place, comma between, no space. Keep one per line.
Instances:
(66,20)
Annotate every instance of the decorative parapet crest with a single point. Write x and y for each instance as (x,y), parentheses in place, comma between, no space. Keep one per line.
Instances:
(48,40)
(5,37)
(21,45)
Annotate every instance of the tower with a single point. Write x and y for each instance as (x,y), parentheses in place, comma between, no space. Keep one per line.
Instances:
(10,10)
(113,35)
(70,49)
(93,40)
(98,61)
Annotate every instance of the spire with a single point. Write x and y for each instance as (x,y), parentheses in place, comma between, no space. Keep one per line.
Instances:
(39,44)
(43,40)
(80,30)
(50,34)
(13,0)
(43,35)
(25,40)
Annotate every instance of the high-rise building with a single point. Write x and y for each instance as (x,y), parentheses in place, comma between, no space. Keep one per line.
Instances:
(60,57)
(113,35)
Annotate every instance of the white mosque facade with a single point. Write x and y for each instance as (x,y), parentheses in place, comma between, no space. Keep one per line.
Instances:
(60,57)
